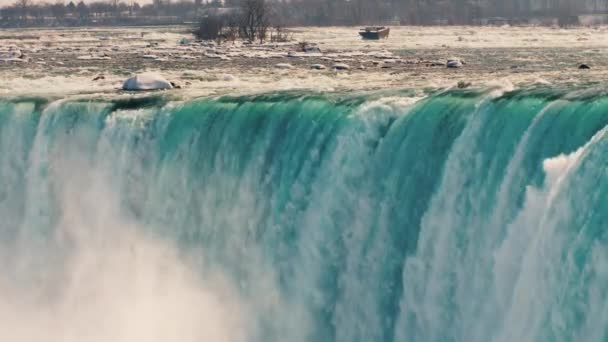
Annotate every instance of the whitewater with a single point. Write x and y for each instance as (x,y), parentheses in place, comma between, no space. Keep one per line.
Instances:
(461,215)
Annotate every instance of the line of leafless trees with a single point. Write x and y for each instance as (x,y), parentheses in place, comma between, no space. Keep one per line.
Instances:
(250,20)
(433,12)
(295,12)
(111,12)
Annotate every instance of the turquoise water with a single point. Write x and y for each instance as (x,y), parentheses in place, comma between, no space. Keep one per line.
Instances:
(462,216)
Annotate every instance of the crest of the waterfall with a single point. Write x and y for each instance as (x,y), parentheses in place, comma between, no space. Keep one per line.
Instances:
(465,215)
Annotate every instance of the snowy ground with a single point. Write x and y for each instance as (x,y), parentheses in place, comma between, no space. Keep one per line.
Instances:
(68,60)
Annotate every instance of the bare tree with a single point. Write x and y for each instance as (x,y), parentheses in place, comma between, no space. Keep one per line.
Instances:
(83,10)
(58,10)
(255,20)
(24,6)
(567,13)
(114,4)
(357,10)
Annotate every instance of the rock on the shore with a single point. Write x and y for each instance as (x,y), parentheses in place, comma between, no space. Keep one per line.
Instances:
(148,81)
(464,84)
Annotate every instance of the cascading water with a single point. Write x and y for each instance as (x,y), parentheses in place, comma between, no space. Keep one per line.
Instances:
(463,216)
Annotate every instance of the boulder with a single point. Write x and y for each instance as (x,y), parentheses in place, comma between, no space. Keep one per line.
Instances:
(147,81)
(464,84)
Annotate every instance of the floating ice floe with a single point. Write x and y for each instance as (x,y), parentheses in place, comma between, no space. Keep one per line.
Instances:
(381,54)
(317,66)
(311,49)
(295,54)
(212,55)
(149,57)
(147,81)
(12,55)
(284,66)
(19,60)
(454,63)
(216,56)
(341,66)
(90,57)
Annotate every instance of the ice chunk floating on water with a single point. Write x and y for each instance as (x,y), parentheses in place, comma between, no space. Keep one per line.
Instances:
(464,216)
(147,81)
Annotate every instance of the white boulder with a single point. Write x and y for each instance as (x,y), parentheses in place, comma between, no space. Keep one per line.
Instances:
(147,81)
